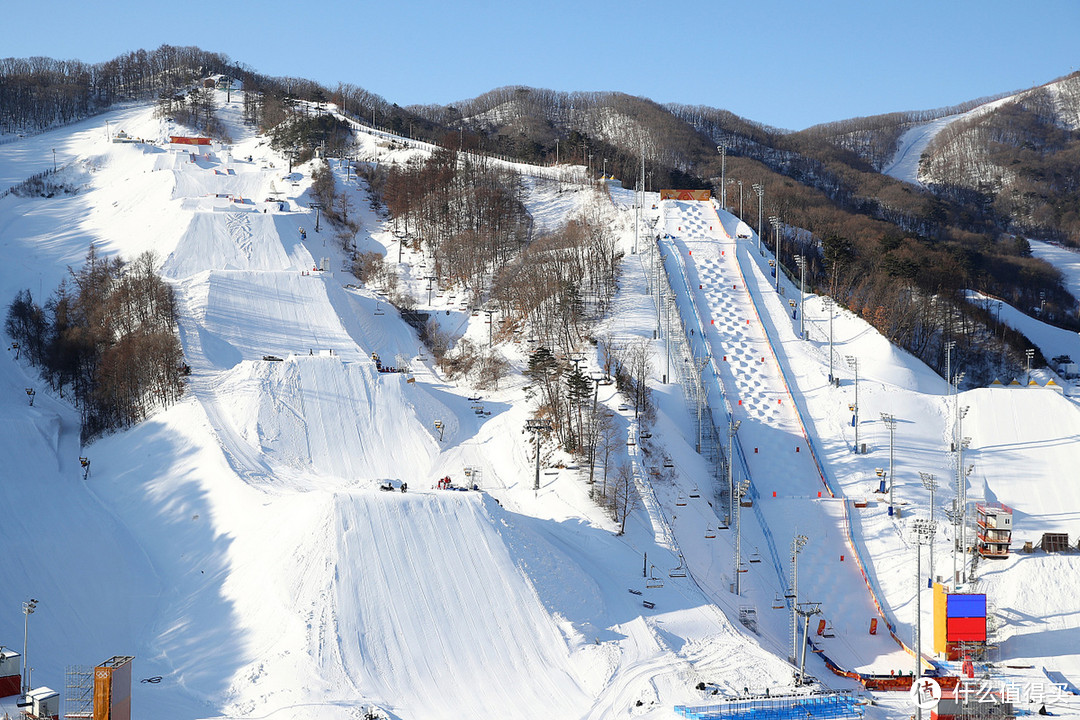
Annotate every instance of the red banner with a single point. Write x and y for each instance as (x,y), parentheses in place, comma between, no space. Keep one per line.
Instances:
(689,195)
(181,140)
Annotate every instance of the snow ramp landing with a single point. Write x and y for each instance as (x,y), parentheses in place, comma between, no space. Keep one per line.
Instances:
(343,421)
(434,619)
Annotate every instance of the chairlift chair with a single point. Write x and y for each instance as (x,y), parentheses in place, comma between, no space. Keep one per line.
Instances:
(695,493)
(652,581)
(680,501)
(709,532)
(680,571)
(755,557)
(378,309)
(778,602)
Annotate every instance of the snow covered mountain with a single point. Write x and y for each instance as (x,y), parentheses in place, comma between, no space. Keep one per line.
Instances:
(239,545)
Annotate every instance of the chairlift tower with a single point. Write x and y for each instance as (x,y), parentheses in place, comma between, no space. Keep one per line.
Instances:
(806,610)
(536,426)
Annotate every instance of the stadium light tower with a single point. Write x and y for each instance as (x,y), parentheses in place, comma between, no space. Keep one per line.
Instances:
(800,260)
(760,190)
(774,220)
(828,302)
(854,363)
(28,610)
(924,532)
(797,544)
(733,427)
(930,483)
(722,149)
(890,422)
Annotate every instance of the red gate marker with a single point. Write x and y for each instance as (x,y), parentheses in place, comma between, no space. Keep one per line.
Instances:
(774,493)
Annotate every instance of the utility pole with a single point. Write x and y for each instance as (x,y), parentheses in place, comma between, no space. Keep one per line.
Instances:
(890,422)
(1029,353)
(797,544)
(930,483)
(854,363)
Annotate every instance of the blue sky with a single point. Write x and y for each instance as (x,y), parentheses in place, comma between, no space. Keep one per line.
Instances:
(786,63)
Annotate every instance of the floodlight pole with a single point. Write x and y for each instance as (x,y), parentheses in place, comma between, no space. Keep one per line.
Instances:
(797,544)
(930,483)
(779,238)
(828,301)
(890,422)
(801,261)
(1029,353)
(961,487)
(760,190)
(924,531)
(28,610)
(854,363)
(722,149)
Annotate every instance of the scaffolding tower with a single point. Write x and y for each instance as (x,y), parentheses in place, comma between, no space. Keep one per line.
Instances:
(79,692)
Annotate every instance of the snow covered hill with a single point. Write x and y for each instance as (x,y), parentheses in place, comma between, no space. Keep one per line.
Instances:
(239,546)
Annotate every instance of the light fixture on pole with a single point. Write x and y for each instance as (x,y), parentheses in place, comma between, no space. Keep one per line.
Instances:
(740,200)
(774,221)
(722,149)
(961,486)
(890,422)
(924,532)
(930,483)
(1029,353)
(828,302)
(949,346)
(760,190)
(733,427)
(699,366)
(853,362)
(740,491)
(800,260)
(779,237)
(28,610)
(797,544)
